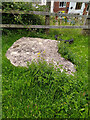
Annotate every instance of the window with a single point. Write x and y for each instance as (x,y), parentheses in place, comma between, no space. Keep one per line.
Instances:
(87,8)
(62,4)
(43,2)
(78,5)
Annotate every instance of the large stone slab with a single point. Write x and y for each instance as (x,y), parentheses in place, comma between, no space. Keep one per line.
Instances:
(27,49)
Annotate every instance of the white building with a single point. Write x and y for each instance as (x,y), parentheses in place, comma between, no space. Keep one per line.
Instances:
(76,8)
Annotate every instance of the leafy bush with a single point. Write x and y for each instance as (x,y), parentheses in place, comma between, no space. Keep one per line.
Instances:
(26,6)
(21,18)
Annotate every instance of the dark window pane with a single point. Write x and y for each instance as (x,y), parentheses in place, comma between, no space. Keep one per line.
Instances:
(62,4)
(88,7)
(78,5)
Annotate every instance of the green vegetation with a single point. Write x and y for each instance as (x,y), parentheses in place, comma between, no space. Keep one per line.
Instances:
(23,19)
(33,19)
(40,91)
(23,6)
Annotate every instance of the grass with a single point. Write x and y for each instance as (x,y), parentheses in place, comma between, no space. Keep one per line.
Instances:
(40,91)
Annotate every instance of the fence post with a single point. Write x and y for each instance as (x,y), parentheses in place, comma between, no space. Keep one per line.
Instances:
(47,17)
(87,22)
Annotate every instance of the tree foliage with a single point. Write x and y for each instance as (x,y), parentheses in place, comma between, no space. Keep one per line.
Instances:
(22,18)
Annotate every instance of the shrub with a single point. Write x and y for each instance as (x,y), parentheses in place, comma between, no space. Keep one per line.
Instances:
(21,18)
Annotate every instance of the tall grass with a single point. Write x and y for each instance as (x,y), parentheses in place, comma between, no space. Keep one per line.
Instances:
(40,91)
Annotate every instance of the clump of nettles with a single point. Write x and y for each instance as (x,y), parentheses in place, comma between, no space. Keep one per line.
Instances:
(66,53)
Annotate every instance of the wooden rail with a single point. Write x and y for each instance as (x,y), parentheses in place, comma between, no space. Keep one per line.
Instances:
(40,26)
(47,19)
(69,0)
(38,1)
(43,13)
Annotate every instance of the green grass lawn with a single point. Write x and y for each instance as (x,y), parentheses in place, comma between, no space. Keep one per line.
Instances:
(40,91)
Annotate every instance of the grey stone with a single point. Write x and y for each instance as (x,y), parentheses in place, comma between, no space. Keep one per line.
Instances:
(26,49)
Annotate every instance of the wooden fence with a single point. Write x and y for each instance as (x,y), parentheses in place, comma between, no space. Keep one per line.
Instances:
(47,25)
(44,13)
(43,26)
